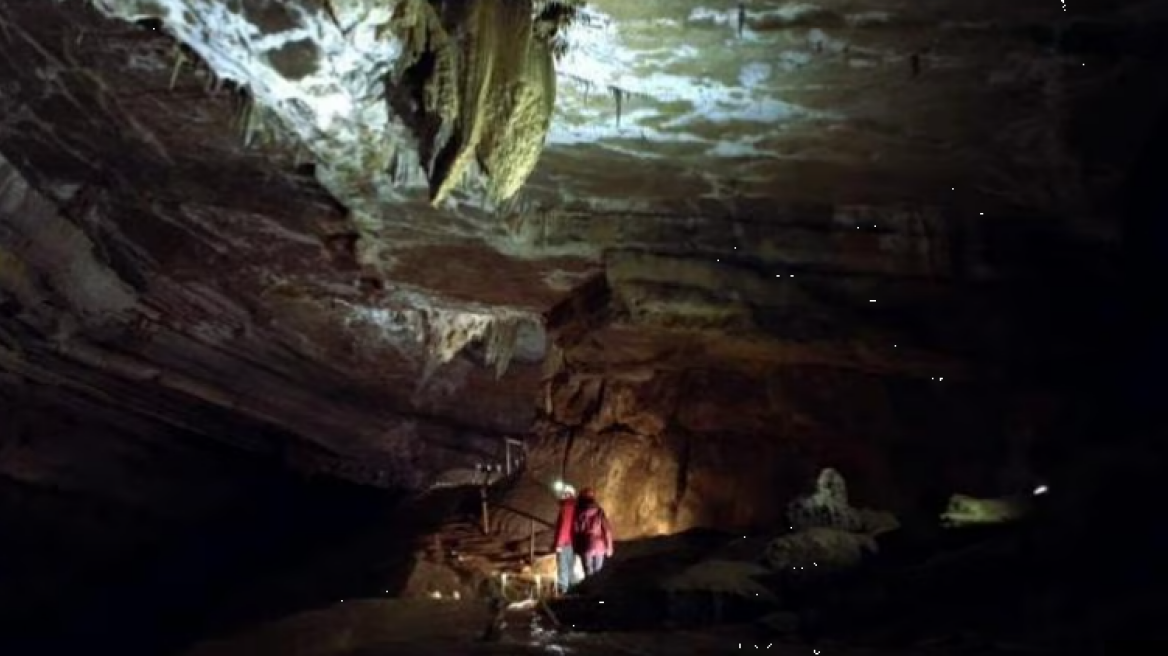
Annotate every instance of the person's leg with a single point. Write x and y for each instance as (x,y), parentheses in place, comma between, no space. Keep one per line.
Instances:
(596,563)
(599,564)
(565,569)
(593,563)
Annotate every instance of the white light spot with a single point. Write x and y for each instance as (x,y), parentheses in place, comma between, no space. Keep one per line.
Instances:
(981,213)
(1041,489)
(941,378)
(871,300)
(601,601)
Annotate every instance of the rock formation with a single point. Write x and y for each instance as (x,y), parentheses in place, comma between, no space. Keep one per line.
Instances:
(693,255)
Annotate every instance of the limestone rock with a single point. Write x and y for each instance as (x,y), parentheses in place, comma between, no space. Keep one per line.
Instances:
(827,506)
(722,577)
(642,407)
(483,87)
(965,510)
(429,580)
(574,401)
(877,522)
(466,477)
(818,549)
(221,277)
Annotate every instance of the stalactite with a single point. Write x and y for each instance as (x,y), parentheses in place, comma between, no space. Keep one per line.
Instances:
(553,364)
(179,59)
(618,98)
(485,97)
(502,339)
(243,119)
(394,163)
(551,19)
(443,334)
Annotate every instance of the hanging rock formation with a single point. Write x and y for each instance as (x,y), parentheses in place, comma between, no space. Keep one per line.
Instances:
(246,244)
(479,80)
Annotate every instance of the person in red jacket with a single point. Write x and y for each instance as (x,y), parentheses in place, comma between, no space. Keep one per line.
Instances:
(591,533)
(562,545)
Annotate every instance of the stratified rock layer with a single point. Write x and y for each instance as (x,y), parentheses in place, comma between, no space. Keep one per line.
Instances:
(753,246)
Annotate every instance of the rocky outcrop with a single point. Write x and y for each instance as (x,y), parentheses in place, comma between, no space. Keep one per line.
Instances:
(188,283)
(479,90)
(680,443)
(818,551)
(95,498)
(196,280)
(188,346)
(753,247)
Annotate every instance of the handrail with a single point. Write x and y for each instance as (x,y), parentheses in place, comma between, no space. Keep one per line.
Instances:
(524,513)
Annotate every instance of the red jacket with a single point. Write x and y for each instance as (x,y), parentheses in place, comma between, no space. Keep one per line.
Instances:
(563,535)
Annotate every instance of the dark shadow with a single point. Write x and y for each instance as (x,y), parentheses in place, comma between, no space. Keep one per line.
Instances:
(294,545)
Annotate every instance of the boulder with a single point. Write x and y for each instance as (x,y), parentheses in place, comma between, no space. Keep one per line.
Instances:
(965,510)
(818,549)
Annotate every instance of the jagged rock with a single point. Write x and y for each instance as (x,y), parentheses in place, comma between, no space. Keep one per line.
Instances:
(877,522)
(467,477)
(222,278)
(964,510)
(577,399)
(722,577)
(818,549)
(826,507)
(430,580)
(639,406)
(482,87)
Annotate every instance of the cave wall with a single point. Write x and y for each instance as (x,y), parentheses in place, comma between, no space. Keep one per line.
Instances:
(194,371)
(958,377)
(728,447)
(231,301)
(86,488)
(149,259)
(127,529)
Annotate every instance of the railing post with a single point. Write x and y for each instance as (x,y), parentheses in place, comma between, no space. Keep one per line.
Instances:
(484,482)
(513,457)
(531,545)
(486,512)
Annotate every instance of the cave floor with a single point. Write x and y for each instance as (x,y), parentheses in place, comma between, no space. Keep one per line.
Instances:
(453,628)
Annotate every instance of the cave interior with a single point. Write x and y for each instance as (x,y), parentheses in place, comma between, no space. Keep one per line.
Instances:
(286,286)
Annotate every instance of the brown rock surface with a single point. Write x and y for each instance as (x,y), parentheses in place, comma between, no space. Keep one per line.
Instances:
(858,237)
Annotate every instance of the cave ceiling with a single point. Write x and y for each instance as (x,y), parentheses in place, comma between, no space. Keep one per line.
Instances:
(364,223)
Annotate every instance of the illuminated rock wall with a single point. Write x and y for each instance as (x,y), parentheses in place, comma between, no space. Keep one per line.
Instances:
(729,447)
